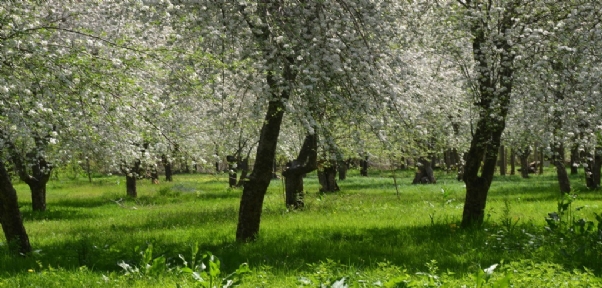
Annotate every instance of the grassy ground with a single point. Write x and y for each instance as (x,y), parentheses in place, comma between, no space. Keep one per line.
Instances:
(366,234)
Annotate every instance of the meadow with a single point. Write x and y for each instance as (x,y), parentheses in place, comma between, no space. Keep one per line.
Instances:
(181,234)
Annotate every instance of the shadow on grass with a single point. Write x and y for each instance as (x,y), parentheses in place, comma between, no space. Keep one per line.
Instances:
(91,202)
(55,213)
(460,251)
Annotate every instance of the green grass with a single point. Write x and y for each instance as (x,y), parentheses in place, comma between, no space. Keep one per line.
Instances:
(90,228)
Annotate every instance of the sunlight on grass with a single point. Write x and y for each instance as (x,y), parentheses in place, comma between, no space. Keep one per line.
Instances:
(94,226)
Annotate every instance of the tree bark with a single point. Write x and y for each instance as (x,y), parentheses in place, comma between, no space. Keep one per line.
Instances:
(131,174)
(10,216)
(486,139)
(503,163)
(541,159)
(563,178)
(88,170)
(244,170)
(327,177)
(40,175)
(295,171)
(524,161)
(343,166)
(425,174)
(597,166)
(589,169)
(130,185)
(575,160)
(38,196)
(168,171)
(512,161)
(232,175)
(364,166)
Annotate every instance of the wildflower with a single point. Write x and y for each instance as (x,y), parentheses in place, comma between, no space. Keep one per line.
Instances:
(489,270)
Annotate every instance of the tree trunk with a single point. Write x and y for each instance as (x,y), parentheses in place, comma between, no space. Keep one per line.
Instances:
(38,196)
(244,170)
(503,163)
(294,189)
(425,174)
(492,118)
(342,167)
(251,202)
(88,170)
(563,177)
(364,167)
(589,169)
(595,168)
(168,171)
(232,175)
(297,169)
(541,159)
(575,160)
(130,185)
(10,216)
(512,161)
(327,178)
(131,174)
(524,162)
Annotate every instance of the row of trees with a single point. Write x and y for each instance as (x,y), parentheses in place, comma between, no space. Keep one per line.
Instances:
(136,83)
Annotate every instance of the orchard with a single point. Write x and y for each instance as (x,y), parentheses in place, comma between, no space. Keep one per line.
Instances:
(240,123)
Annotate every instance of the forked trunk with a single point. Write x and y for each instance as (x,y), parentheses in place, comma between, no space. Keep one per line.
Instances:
(10,216)
(297,169)
(327,178)
(486,139)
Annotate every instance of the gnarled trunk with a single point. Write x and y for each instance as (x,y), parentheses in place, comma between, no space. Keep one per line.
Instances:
(425,174)
(41,171)
(297,169)
(327,177)
(10,216)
